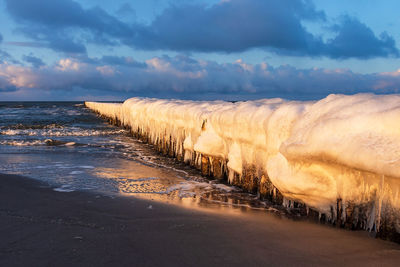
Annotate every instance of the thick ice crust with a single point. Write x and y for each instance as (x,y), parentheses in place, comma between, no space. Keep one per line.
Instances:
(342,147)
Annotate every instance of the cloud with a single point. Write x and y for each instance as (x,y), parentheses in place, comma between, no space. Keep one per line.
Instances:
(185,77)
(227,26)
(27,44)
(6,86)
(6,57)
(231,26)
(65,13)
(60,40)
(123,61)
(14,77)
(3,54)
(355,39)
(64,25)
(126,10)
(35,61)
(238,25)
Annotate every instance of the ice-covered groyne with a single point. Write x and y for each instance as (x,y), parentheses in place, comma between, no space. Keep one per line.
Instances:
(339,156)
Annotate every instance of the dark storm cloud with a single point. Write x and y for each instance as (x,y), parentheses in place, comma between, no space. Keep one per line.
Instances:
(228,26)
(35,61)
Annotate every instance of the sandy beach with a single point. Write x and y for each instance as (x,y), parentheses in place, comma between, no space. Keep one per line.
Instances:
(199,133)
(42,227)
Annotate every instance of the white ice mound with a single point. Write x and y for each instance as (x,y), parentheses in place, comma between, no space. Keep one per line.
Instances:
(341,147)
(360,132)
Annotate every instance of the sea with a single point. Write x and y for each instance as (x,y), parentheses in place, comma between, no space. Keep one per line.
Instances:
(69,148)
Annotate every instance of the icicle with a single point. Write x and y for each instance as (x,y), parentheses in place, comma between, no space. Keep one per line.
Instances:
(289,141)
(231,176)
(380,196)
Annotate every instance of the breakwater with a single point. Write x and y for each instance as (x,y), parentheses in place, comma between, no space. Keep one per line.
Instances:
(337,159)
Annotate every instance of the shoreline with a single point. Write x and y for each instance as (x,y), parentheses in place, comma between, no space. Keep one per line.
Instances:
(42,227)
(327,190)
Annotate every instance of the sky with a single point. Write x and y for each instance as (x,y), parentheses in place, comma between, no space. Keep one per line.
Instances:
(192,49)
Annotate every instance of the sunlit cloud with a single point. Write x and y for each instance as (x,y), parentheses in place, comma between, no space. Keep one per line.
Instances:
(197,79)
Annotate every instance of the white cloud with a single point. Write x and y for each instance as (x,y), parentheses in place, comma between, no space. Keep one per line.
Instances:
(69,64)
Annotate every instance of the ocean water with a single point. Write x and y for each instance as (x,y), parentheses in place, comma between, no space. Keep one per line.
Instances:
(67,146)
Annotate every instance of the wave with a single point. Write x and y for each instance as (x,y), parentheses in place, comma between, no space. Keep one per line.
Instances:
(60,131)
(22,142)
(21,126)
(45,142)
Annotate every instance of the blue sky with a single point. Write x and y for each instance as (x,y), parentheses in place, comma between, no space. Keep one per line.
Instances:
(237,49)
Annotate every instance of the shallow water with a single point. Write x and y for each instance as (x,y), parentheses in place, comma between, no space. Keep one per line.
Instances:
(70,148)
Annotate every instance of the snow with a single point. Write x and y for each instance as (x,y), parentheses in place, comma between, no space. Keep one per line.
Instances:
(340,147)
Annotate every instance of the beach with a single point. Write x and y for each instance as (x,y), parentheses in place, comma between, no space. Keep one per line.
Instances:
(199,133)
(43,227)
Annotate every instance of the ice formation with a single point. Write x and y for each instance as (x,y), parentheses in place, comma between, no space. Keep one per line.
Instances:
(342,150)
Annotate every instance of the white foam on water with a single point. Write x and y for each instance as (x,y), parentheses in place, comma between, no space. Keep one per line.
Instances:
(22,142)
(86,167)
(42,167)
(70,144)
(61,131)
(64,189)
(76,172)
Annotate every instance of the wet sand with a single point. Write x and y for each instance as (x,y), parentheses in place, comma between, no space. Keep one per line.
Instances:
(42,227)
